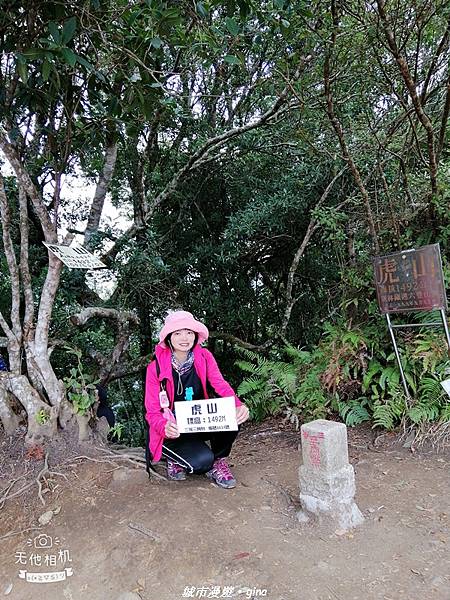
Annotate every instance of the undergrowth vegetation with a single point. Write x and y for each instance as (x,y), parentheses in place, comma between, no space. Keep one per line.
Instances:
(352,373)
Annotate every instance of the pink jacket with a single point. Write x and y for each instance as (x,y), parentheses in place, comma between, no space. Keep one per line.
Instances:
(206,367)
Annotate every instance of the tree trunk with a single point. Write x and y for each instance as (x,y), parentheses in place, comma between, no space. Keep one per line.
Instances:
(8,417)
(42,418)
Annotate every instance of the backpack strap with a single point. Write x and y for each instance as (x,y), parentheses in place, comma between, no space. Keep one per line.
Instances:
(162,383)
(148,455)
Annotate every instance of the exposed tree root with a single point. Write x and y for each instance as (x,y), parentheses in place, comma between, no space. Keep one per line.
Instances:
(39,480)
(135,456)
(134,459)
(13,533)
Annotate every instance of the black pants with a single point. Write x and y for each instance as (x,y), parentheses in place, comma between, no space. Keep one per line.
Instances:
(191,451)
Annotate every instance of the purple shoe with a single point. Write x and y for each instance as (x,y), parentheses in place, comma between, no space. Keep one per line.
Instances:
(175,472)
(221,474)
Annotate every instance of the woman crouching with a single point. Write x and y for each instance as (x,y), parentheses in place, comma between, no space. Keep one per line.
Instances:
(181,370)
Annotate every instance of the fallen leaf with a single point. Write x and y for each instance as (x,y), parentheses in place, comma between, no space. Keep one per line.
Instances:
(8,590)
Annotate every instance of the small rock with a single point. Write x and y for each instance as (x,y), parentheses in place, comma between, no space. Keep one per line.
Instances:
(8,589)
(120,475)
(302,517)
(438,581)
(410,440)
(46,517)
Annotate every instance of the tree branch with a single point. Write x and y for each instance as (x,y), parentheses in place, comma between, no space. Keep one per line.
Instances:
(444,121)
(7,330)
(198,157)
(340,134)
(440,48)
(100,193)
(27,184)
(11,261)
(313,225)
(24,266)
(86,314)
(411,87)
(239,342)
(109,365)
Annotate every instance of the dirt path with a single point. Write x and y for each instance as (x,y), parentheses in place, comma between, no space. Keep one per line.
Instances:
(126,538)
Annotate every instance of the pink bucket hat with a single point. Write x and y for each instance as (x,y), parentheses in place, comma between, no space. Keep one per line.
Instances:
(181,319)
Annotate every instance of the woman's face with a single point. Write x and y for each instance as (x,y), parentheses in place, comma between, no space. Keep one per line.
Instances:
(182,340)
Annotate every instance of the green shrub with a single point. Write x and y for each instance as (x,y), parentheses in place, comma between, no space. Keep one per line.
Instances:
(354,373)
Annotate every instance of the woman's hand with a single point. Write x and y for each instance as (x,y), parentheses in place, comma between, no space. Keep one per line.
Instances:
(171,430)
(242,414)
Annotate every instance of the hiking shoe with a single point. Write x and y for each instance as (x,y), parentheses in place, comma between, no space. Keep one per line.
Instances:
(175,472)
(221,474)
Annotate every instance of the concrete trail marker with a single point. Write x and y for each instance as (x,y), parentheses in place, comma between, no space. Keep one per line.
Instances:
(327,480)
(446,385)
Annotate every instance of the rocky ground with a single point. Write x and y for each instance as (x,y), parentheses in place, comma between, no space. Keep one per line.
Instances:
(118,536)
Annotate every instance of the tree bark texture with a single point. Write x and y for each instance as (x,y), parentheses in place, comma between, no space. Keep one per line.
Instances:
(341,137)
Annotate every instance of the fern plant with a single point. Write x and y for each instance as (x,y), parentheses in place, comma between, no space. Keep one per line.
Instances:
(276,386)
(388,413)
(432,400)
(354,373)
(355,411)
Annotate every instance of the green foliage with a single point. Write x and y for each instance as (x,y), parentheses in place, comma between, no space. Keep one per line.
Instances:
(81,387)
(432,402)
(276,386)
(389,413)
(42,416)
(116,431)
(341,375)
(354,411)
(161,79)
(264,386)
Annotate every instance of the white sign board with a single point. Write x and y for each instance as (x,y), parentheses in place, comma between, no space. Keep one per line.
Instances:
(446,385)
(75,256)
(214,414)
